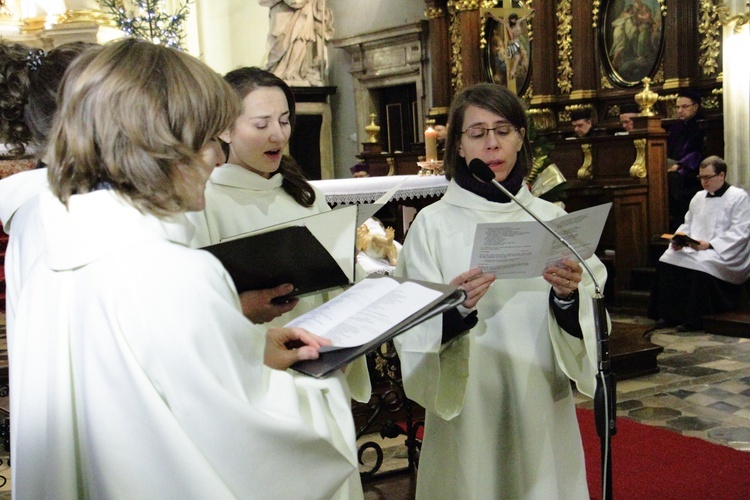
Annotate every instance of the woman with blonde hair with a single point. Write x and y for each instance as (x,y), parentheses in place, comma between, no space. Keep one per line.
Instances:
(139,376)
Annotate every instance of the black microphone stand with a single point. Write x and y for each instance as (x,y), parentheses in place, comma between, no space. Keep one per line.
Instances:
(605,395)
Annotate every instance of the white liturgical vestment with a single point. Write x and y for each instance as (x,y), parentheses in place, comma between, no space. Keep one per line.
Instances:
(500,416)
(239,201)
(724,222)
(139,377)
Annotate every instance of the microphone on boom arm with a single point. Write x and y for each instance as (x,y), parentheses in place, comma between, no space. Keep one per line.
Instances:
(604,398)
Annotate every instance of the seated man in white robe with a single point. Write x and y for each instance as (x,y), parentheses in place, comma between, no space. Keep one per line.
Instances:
(705,277)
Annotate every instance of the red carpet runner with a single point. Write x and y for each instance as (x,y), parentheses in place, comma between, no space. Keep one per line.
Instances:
(653,463)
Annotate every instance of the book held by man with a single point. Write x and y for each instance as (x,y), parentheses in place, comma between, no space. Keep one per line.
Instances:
(680,239)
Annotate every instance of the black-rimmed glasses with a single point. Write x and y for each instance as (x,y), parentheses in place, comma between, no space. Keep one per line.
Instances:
(479,132)
(705,177)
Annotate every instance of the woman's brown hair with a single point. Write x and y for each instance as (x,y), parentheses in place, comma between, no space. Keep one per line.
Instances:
(133,117)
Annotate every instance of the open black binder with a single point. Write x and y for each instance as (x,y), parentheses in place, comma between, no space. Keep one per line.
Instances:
(287,255)
(329,361)
(313,253)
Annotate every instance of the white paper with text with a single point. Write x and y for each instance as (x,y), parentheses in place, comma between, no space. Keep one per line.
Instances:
(514,250)
(365,311)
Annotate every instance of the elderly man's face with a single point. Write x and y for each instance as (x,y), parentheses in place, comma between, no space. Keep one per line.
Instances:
(626,120)
(686,108)
(581,127)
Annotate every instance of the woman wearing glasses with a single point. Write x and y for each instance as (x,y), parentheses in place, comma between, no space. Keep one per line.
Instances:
(500,416)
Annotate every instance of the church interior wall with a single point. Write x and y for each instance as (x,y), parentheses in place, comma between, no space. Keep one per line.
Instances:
(227,34)
(369,16)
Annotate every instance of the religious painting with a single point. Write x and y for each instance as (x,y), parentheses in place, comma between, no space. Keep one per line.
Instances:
(507,54)
(632,38)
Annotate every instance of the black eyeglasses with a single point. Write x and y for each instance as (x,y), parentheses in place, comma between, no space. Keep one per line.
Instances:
(705,177)
(479,132)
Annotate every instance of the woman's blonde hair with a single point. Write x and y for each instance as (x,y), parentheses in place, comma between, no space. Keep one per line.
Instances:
(133,117)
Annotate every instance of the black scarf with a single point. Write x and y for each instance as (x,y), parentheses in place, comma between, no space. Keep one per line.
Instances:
(486,190)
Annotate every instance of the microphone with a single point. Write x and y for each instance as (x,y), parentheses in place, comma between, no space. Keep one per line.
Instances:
(485,174)
(604,398)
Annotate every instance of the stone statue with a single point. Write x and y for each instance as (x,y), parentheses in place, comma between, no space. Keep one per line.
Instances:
(297,36)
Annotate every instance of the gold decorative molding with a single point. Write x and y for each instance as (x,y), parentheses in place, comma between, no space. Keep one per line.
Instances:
(638,168)
(440,110)
(465,5)
(710,102)
(585,173)
(543,118)
(676,83)
(670,103)
(31,24)
(543,99)
(709,27)
(529,94)
(565,46)
(454,32)
(530,21)
(576,107)
(604,80)
(595,14)
(434,12)
(583,94)
(84,16)
(739,20)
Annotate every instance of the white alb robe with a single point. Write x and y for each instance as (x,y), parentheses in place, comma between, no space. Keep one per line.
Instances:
(500,417)
(239,201)
(140,378)
(723,221)
(18,194)
(19,211)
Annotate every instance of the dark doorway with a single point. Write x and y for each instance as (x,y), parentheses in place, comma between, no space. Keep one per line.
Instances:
(399,127)
(304,146)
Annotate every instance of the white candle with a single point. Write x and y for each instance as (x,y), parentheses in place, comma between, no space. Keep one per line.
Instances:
(430,144)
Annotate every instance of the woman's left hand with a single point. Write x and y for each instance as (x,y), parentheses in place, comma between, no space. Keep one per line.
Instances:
(564,277)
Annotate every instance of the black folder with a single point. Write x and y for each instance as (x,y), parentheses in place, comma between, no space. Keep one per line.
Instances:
(288,255)
(332,360)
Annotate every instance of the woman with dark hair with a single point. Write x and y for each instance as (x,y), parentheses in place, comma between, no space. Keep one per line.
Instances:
(259,186)
(29,83)
(29,79)
(500,416)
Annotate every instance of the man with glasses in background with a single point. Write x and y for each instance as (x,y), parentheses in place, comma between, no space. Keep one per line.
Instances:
(685,151)
(703,277)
